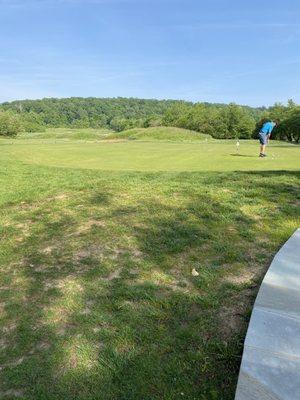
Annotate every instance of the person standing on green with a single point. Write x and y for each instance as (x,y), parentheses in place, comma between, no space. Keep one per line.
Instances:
(264,136)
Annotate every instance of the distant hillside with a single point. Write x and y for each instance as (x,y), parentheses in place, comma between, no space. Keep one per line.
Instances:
(159,133)
(115,113)
(222,121)
(99,112)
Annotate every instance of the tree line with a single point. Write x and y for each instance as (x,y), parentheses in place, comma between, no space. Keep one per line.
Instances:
(113,113)
(218,120)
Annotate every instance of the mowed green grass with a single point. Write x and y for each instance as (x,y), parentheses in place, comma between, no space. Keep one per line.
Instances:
(98,244)
(152,155)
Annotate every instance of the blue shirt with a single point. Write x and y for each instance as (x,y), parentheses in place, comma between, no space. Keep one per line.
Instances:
(267,128)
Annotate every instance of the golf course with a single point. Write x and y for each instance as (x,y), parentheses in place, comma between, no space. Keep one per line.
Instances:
(130,262)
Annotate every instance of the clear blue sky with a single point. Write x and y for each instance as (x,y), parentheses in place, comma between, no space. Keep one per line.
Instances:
(246,51)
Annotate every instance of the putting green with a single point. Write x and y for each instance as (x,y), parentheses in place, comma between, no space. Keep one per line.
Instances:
(153,156)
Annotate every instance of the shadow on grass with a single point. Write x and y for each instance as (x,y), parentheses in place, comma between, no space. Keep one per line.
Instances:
(242,155)
(287,144)
(101,198)
(113,312)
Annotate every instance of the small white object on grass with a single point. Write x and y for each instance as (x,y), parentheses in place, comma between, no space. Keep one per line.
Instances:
(194,272)
(237,145)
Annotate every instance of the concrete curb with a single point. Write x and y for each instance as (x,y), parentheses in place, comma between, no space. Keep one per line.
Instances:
(270,368)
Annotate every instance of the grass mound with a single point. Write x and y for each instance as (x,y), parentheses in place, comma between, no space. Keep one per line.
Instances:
(67,134)
(160,133)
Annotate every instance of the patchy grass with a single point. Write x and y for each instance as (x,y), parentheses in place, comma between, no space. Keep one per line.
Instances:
(97,295)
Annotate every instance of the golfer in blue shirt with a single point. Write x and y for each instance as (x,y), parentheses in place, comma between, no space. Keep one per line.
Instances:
(264,136)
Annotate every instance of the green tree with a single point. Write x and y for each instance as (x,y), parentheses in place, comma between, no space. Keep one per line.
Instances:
(177,115)
(289,128)
(240,124)
(32,122)
(10,124)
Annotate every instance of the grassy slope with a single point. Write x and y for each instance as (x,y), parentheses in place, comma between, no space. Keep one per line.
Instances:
(97,293)
(66,134)
(160,133)
(145,134)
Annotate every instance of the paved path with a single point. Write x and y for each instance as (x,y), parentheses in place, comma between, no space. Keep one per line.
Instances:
(271,361)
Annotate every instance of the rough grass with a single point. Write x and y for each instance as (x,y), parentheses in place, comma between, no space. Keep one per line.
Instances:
(160,133)
(66,134)
(97,297)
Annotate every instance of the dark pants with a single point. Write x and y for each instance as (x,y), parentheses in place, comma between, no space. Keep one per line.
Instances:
(263,138)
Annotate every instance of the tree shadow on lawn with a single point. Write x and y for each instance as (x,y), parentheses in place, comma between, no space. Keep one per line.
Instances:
(101,198)
(95,316)
(278,184)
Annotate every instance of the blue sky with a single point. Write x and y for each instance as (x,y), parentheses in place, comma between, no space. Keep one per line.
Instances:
(213,50)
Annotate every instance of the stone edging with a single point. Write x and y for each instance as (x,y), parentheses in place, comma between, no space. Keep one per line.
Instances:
(270,368)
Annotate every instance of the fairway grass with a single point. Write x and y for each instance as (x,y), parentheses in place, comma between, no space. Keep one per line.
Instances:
(98,241)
